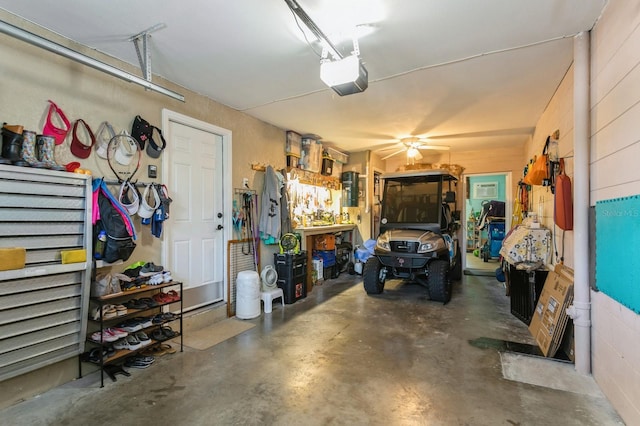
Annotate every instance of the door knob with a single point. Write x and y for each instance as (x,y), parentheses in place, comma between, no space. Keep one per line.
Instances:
(220,227)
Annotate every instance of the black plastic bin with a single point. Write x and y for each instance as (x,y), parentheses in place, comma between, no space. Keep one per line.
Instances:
(525,289)
(292,275)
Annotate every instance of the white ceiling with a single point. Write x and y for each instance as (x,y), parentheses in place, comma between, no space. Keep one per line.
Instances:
(465,73)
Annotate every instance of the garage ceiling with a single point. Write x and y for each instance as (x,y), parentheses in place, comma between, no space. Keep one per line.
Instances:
(467,74)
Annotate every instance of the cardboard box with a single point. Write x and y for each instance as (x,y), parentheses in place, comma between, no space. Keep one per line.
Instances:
(324,242)
(293,145)
(550,317)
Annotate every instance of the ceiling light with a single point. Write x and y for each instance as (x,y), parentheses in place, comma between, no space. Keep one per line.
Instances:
(412,152)
(345,76)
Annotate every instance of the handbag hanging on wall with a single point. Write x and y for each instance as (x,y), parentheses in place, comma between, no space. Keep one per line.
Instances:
(539,171)
(563,200)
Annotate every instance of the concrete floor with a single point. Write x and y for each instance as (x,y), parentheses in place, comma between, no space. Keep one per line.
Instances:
(336,357)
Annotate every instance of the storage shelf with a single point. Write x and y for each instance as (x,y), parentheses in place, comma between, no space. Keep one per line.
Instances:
(312,178)
(132,313)
(38,271)
(128,293)
(124,353)
(103,323)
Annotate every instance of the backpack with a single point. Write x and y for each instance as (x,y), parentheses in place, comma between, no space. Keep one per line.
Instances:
(111,217)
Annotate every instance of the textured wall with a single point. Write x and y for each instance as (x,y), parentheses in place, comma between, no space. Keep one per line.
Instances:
(615,148)
(30,76)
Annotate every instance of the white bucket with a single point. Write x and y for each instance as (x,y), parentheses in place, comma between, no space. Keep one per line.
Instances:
(248,295)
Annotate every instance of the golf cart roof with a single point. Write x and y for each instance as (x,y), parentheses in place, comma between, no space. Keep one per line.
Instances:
(445,174)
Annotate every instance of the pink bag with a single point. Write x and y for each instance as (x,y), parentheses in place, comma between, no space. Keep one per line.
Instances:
(50,129)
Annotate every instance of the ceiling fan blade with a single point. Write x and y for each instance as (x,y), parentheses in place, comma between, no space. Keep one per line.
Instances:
(387,147)
(434,147)
(487,133)
(394,153)
(418,156)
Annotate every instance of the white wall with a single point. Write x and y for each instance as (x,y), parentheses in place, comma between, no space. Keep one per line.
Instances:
(557,116)
(615,149)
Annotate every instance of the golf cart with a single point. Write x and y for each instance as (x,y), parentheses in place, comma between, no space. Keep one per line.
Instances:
(417,240)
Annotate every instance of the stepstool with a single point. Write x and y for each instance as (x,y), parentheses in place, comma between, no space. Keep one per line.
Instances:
(268,296)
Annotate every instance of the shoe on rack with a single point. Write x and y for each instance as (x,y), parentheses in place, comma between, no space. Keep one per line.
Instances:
(145,358)
(96,355)
(103,336)
(142,338)
(168,333)
(168,348)
(154,351)
(156,279)
(122,344)
(150,269)
(133,342)
(131,325)
(169,316)
(173,295)
(166,275)
(149,302)
(144,321)
(120,310)
(135,304)
(135,265)
(108,311)
(116,331)
(137,362)
(158,335)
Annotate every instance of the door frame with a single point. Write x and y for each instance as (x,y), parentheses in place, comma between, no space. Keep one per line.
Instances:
(508,206)
(227,173)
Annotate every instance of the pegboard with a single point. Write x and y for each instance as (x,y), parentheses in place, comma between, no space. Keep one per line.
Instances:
(618,251)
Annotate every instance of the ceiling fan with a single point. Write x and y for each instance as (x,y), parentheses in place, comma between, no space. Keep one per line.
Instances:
(412,146)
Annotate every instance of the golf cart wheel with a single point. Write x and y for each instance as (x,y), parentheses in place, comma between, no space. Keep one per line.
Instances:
(456,272)
(439,281)
(372,277)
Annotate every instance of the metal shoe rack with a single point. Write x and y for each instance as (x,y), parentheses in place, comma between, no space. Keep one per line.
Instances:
(112,364)
(43,306)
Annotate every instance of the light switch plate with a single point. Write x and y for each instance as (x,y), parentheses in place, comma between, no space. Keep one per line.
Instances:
(152,171)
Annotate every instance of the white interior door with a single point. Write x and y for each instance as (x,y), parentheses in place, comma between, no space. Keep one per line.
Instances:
(195,248)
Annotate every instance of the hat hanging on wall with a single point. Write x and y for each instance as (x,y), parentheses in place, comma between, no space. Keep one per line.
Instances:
(153,149)
(103,136)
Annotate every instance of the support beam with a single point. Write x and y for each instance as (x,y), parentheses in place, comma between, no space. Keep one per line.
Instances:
(61,50)
(580,311)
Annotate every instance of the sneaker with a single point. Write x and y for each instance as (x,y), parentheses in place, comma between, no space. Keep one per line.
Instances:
(130,325)
(118,332)
(103,336)
(135,265)
(144,321)
(167,276)
(120,310)
(137,362)
(150,269)
(156,279)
